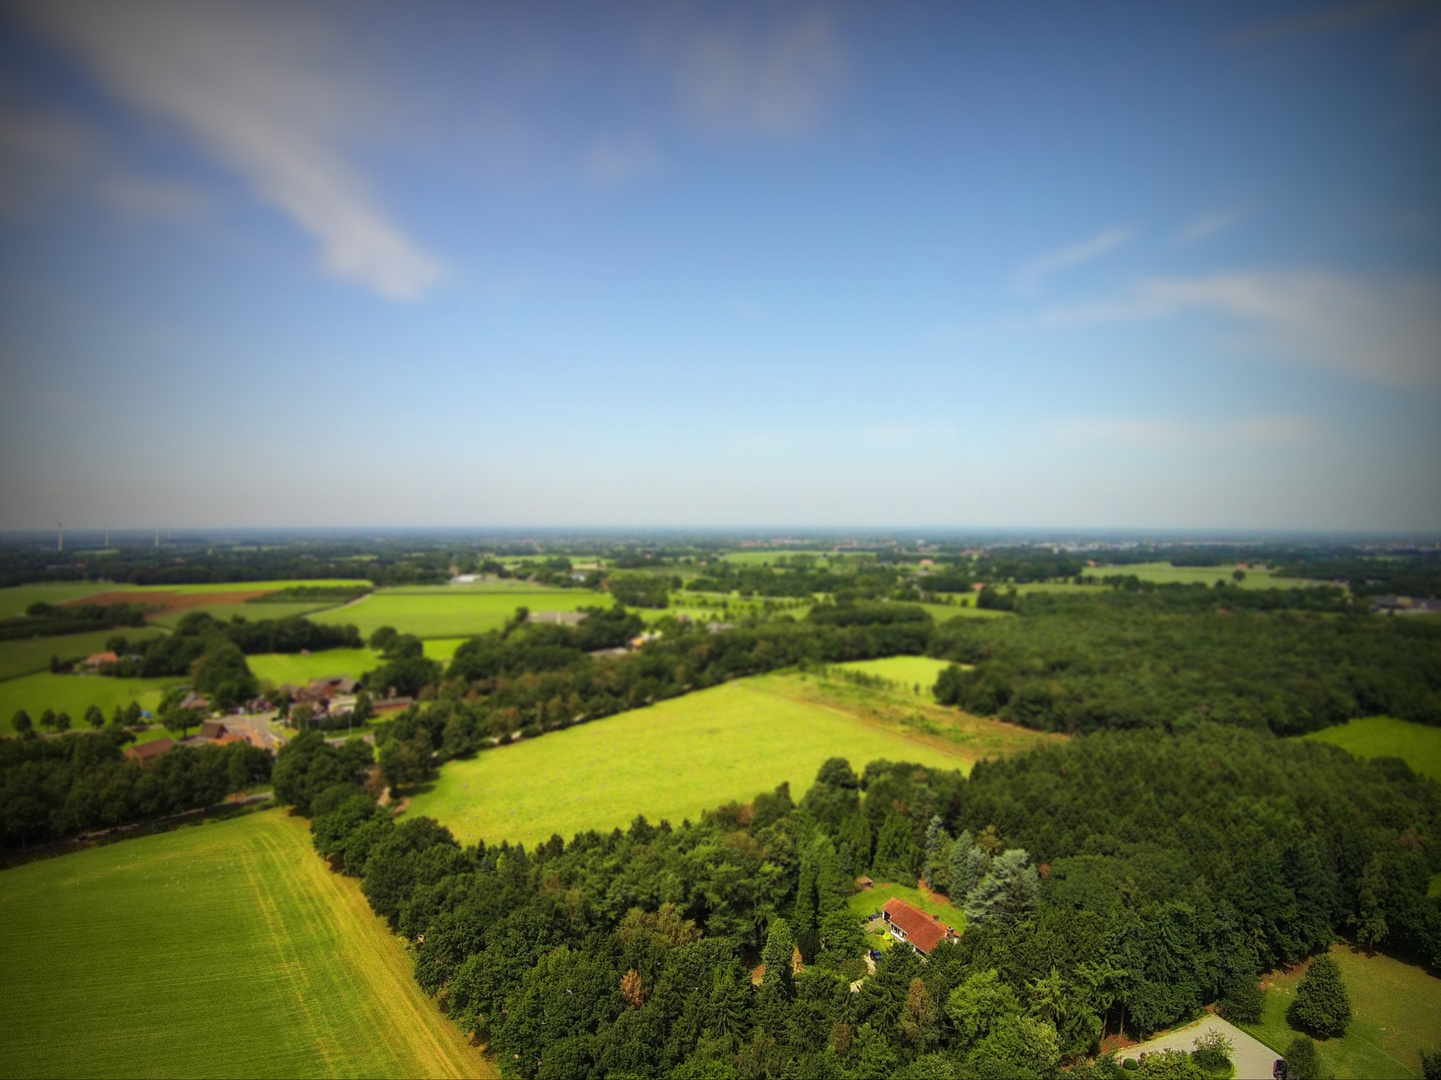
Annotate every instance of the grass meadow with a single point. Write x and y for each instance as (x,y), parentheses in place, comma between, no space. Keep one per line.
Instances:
(226,611)
(74,694)
(29,655)
(1163,573)
(672,760)
(15,599)
(1397,1012)
(294,668)
(1419,745)
(907,672)
(226,949)
(452,613)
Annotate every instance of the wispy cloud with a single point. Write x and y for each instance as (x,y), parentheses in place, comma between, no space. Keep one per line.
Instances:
(259,88)
(1385,331)
(1035,272)
(614,159)
(1164,432)
(1202,227)
(773,79)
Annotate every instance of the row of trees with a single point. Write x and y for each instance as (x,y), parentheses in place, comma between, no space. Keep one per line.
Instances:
(51,789)
(1163,873)
(48,620)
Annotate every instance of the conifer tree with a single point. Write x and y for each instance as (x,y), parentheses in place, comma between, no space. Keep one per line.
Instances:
(1321,1004)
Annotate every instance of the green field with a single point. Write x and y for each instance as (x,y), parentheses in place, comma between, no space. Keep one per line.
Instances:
(294,668)
(227,949)
(1419,745)
(672,760)
(443,649)
(908,672)
(1163,573)
(30,655)
(250,612)
(74,694)
(15,599)
(451,613)
(1397,1012)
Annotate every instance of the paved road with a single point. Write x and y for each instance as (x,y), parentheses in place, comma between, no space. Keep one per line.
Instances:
(1253,1058)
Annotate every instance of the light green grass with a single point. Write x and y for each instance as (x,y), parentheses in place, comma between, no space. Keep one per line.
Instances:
(253,586)
(906,671)
(248,612)
(33,654)
(74,694)
(1163,573)
(227,949)
(1419,745)
(672,760)
(443,649)
(15,599)
(457,613)
(1397,1011)
(294,668)
(946,612)
(873,899)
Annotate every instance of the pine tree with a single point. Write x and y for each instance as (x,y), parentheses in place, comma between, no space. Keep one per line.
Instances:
(776,955)
(1321,1004)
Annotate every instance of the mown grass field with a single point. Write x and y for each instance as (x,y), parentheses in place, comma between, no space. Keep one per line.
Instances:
(908,672)
(294,668)
(74,694)
(1419,745)
(29,655)
(672,760)
(227,949)
(1397,1011)
(452,613)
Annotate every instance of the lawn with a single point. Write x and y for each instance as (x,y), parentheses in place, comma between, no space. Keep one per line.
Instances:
(451,613)
(1397,1011)
(443,649)
(226,949)
(294,668)
(29,655)
(907,672)
(672,760)
(1419,745)
(73,694)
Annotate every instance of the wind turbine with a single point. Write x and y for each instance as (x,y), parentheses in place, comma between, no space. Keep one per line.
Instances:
(60,536)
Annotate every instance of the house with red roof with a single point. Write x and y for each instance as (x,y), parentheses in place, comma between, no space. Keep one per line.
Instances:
(910,924)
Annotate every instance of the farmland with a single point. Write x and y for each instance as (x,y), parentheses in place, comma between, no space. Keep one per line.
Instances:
(1163,573)
(224,949)
(26,656)
(741,738)
(225,611)
(294,668)
(445,612)
(1419,745)
(906,671)
(1397,1010)
(73,694)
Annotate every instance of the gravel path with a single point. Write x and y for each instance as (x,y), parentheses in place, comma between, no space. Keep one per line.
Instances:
(1253,1058)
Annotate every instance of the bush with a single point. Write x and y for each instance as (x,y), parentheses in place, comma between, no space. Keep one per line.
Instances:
(1321,1005)
(1243,1001)
(1302,1060)
(1213,1052)
(1130,1064)
(1431,1065)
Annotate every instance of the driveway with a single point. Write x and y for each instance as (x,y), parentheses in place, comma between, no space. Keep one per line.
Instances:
(1253,1059)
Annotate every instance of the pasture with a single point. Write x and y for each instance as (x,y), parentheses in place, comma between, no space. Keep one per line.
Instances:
(29,655)
(444,612)
(1397,1012)
(1419,745)
(1163,573)
(672,760)
(907,672)
(74,694)
(225,611)
(15,599)
(226,949)
(294,668)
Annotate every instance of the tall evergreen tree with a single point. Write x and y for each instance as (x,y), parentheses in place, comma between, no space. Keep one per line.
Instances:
(1321,1004)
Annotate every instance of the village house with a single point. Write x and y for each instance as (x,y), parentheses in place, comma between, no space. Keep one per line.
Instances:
(95,661)
(913,926)
(147,750)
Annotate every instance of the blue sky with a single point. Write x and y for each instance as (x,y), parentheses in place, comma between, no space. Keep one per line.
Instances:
(1098,265)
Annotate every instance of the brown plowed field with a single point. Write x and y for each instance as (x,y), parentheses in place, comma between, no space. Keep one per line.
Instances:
(169,601)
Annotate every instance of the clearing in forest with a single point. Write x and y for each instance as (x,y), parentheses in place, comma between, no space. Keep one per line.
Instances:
(227,949)
(451,613)
(1419,745)
(1397,1011)
(74,694)
(907,672)
(678,758)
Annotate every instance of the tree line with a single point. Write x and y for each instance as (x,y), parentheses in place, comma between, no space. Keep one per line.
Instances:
(49,620)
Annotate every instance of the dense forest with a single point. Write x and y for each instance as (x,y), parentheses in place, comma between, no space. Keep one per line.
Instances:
(1116,882)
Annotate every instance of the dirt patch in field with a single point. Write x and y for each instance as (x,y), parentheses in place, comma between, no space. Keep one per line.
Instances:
(165,602)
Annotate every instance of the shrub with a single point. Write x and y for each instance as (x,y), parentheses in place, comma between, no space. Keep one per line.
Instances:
(1321,1005)
(1130,1064)
(1431,1065)
(1302,1060)
(1213,1052)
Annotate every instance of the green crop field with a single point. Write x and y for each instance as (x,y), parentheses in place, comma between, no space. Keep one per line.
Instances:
(27,656)
(672,760)
(907,672)
(1419,745)
(442,613)
(294,668)
(15,599)
(227,949)
(74,694)
(250,612)
(1397,1012)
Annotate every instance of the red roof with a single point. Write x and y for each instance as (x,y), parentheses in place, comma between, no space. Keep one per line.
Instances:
(923,931)
(147,750)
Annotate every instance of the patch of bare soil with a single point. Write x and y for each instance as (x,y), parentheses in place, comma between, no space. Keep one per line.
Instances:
(164,602)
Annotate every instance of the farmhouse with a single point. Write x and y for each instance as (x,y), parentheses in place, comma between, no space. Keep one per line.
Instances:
(910,924)
(96,660)
(335,684)
(147,750)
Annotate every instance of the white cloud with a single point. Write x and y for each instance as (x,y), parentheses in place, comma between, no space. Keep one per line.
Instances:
(1385,331)
(1166,432)
(1035,272)
(1205,226)
(774,81)
(259,88)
